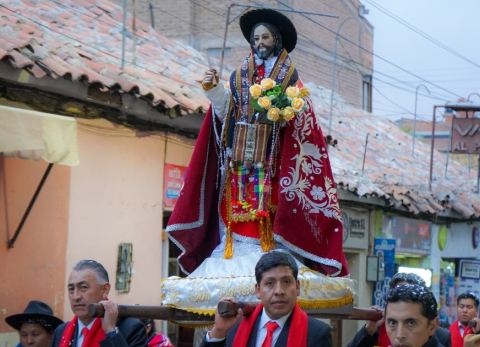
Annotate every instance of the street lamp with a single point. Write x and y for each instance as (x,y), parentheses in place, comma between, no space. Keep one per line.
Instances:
(415,116)
(334,67)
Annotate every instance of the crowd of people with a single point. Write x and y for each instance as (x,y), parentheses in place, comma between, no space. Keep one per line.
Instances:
(88,283)
(410,316)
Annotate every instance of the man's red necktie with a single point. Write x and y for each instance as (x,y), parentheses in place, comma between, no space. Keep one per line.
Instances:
(84,334)
(271,327)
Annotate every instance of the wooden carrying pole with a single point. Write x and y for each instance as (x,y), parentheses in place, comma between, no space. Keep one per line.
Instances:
(225,309)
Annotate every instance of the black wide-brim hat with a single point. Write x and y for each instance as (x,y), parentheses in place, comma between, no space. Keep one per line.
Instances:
(266,15)
(35,312)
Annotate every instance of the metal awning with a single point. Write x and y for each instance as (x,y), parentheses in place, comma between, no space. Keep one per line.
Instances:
(33,135)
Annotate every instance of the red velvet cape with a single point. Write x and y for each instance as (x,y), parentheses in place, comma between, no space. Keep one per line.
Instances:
(307,220)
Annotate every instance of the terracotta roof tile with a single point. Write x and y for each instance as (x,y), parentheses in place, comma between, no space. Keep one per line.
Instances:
(19,60)
(391,172)
(83,39)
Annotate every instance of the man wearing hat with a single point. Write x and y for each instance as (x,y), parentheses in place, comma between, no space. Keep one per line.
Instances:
(35,325)
(260,174)
(88,283)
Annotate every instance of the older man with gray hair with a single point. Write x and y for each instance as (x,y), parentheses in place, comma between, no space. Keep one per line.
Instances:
(88,283)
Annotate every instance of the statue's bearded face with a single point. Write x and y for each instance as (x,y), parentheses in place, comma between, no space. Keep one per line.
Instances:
(263,42)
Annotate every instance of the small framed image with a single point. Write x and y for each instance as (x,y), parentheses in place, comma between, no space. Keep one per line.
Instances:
(470,269)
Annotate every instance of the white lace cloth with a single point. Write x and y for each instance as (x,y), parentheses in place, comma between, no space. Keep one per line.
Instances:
(218,277)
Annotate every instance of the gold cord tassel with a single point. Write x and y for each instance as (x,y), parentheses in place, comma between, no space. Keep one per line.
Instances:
(228,254)
(229,244)
(266,234)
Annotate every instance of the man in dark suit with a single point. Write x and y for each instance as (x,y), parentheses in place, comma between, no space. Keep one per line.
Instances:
(278,320)
(374,333)
(88,283)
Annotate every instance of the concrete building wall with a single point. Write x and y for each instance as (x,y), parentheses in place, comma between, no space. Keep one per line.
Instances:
(34,268)
(459,241)
(116,197)
(201,24)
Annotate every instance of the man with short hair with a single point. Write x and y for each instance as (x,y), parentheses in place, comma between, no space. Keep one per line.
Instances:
(278,320)
(467,310)
(411,316)
(88,283)
(374,333)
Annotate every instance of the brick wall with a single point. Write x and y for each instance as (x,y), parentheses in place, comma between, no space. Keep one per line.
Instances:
(201,24)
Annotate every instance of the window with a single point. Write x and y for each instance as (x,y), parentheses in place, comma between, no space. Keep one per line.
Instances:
(367,93)
(124,267)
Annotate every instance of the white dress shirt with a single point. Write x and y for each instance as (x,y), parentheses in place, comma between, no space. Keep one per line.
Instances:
(262,329)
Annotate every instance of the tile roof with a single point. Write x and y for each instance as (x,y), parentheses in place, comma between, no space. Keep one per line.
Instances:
(82,40)
(390,170)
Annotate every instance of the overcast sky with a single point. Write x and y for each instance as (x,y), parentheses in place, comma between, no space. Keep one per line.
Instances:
(454,23)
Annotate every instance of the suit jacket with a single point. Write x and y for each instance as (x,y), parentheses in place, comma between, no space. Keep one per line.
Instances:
(363,339)
(318,335)
(131,333)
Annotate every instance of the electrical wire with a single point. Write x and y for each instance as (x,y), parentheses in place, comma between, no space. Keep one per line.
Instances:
(372,53)
(341,57)
(418,31)
(133,63)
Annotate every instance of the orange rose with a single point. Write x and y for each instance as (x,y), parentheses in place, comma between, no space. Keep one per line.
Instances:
(297,104)
(292,92)
(273,114)
(265,102)
(288,113)
(268,83)
(255,90)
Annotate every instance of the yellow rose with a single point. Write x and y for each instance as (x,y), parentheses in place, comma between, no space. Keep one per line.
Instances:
(265,102)
(255,90)
(288,113)
(304,92)
(268,83)
(292,92)
(297,104)
(273,114)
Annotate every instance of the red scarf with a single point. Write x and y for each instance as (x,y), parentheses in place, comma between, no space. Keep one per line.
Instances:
(297,334)
(93,338)
(383,340)
(457,338)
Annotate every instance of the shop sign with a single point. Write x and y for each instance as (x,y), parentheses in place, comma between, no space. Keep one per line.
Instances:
(355,229)
(384,248)
(412,235)
(470,269)
(465,135)
(172,184)
(442,237)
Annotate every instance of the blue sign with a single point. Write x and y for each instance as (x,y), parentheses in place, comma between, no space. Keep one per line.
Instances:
(384,248)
